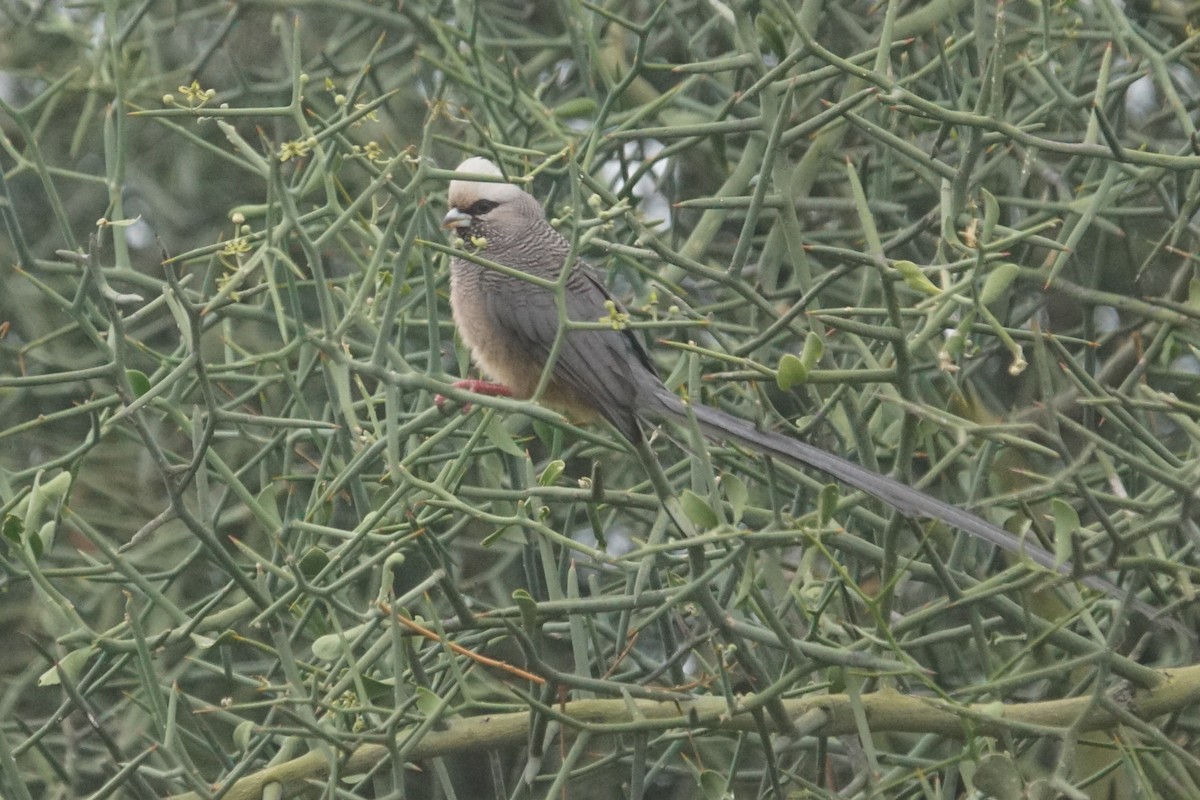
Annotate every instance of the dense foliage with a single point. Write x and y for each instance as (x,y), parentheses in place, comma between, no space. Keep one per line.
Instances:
(244,544)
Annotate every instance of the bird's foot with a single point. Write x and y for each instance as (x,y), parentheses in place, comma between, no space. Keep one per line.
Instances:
(478,387)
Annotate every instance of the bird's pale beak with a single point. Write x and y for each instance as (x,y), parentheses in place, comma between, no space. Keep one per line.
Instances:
(456,219)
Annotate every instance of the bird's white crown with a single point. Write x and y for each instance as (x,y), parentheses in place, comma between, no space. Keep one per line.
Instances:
(478,165)
(464,191)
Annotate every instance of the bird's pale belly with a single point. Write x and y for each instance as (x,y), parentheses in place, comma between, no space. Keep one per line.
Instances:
(505,361)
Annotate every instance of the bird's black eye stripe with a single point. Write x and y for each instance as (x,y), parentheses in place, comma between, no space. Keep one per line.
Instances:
(481,207)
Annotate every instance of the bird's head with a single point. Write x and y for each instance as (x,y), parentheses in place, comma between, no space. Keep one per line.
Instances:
(481,208)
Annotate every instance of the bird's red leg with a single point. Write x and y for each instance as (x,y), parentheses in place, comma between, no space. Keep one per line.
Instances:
(478,387)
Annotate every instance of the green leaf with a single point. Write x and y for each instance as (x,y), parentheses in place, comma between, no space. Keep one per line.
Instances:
(576,107)
(50,492)
(243,734)
(312,562)
(997,282)
(26,522)
(180,316)
(43,540)
(428,703)
(737,494)
(827,503)
(915,279)
(698,510)
(201,641)
(814,348)
(378,690)
(328,647)
(528,608)
(268,501)
(1193,296)
(991,215)
(331,646)
(771,36)
(713,785)
(998,777)
(552,472)
(138,381)
(494,536)
(790,372)
(1066,523)
(498,435)
(71,665)
(13,527)
(1040,789)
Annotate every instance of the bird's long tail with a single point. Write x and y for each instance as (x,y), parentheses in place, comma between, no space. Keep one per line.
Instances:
(911,502)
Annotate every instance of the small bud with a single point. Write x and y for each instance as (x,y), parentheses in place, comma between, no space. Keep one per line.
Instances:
(168,99)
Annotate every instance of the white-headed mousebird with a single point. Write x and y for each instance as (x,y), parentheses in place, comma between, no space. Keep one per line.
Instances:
(511,326)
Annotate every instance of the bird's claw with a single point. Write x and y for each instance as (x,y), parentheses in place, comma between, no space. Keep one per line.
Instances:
(476,386)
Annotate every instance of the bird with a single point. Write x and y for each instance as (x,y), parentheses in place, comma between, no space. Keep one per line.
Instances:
(513,327)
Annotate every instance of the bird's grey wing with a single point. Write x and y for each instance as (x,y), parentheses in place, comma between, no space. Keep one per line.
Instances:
(607,371)
(586,275)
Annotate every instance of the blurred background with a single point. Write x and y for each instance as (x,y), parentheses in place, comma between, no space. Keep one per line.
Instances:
(243,547)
